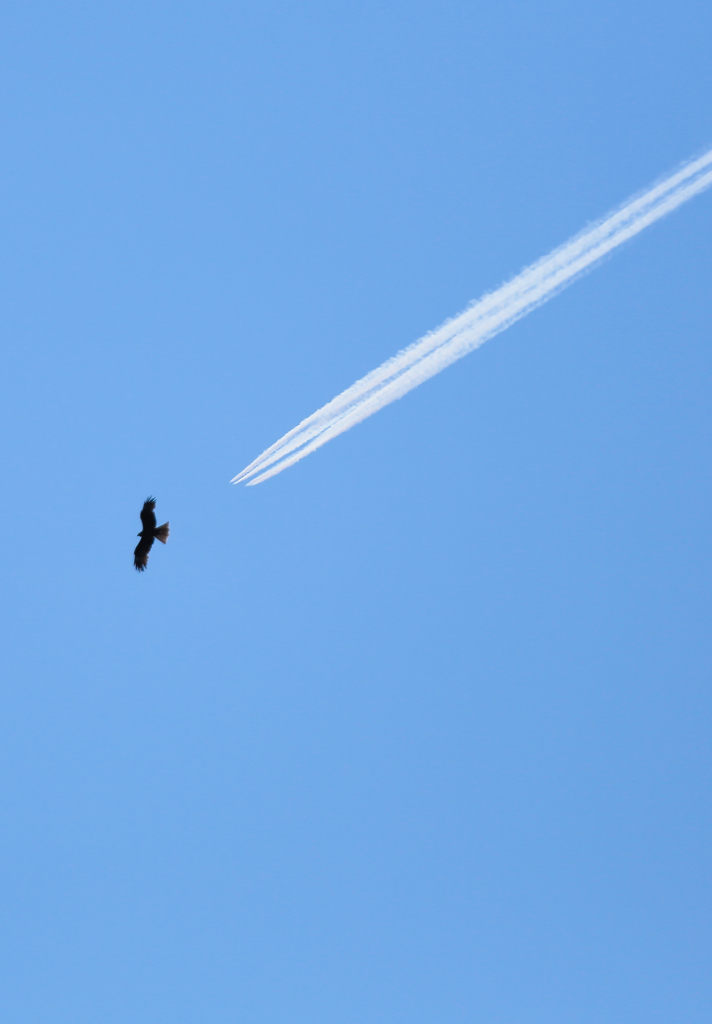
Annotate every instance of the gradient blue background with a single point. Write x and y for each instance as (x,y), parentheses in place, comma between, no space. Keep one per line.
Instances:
(418,731)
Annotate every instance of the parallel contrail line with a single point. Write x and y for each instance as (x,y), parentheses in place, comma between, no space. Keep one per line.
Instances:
(488,316)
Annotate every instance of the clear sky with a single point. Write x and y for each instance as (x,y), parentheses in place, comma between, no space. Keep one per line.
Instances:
(417,732)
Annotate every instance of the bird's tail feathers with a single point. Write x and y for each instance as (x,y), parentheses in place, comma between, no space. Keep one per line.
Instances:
(161,533)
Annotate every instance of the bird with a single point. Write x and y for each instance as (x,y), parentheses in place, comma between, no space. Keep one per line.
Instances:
(148,534)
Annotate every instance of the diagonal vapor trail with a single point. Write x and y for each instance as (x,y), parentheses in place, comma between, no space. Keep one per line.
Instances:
(482,320)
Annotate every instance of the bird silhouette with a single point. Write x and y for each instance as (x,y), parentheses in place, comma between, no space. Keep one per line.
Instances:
(148,534)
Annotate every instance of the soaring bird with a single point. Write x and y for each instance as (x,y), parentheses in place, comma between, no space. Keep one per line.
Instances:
(148,534)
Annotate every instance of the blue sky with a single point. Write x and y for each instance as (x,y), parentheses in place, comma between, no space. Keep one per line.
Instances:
(418,731)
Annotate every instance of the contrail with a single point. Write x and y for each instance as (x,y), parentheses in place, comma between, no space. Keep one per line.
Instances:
(482,320)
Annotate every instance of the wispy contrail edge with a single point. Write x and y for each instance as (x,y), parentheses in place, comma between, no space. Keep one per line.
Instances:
(486,317)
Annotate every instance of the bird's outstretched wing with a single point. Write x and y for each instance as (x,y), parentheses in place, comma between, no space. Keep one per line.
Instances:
(141,553)
(148,516)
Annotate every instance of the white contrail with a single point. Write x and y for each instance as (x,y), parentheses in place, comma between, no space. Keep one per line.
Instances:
(481,321)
